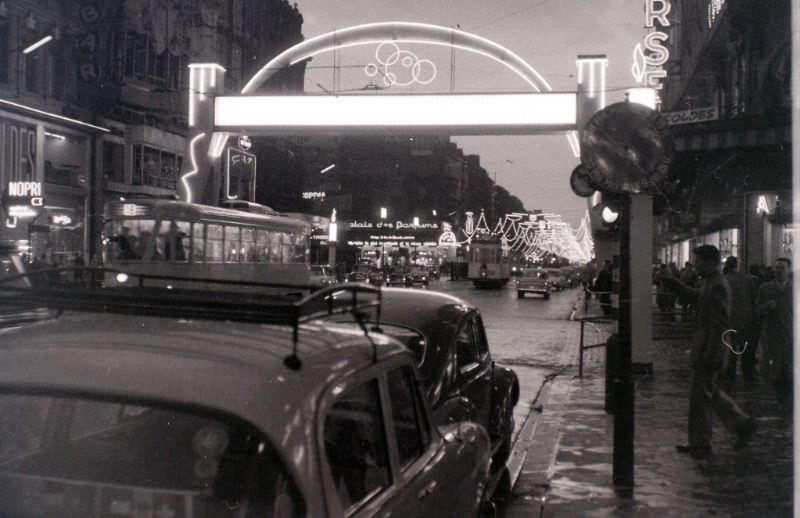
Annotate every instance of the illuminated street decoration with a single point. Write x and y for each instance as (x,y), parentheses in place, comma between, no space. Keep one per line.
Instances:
(481,113)
(650,56)
(193,171)
(390,58)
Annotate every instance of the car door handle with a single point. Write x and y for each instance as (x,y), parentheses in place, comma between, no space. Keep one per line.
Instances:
(427,490)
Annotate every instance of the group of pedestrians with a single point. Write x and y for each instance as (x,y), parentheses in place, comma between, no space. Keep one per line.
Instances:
(734,314)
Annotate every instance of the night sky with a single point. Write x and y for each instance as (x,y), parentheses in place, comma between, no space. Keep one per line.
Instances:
(548,34)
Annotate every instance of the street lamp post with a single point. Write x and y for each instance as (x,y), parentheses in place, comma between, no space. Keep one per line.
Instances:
(333,229)
(383,242)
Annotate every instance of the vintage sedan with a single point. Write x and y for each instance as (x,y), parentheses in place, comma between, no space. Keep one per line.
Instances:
(202,406)
(533,280)
(366,272)
(397,277)
(418,275)
(461,380)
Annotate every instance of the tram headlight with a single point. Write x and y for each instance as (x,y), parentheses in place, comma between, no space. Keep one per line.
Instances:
(122,278)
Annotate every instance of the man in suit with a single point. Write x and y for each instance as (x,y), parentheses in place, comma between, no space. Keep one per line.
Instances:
(713,303)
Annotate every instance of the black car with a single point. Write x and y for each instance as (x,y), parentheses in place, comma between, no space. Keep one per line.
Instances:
(418,275)
(397,277)
(460,378)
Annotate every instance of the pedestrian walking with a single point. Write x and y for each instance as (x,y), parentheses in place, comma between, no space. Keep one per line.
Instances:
(665,295)
(713,302)
(603,285)
(743,339)
(688,276)
(774,308)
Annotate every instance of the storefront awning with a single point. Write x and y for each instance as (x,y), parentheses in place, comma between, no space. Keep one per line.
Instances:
(733,138)
(54,117)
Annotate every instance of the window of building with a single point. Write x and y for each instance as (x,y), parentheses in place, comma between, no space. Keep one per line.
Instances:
(5,48)
(141,62)
(114,161)
(155,167)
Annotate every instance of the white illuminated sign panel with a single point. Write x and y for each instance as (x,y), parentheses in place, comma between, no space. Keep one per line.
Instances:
(650,56)
(714,8)
(23,199)
(460,113)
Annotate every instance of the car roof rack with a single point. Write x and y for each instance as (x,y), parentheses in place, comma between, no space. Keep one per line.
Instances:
(209,304)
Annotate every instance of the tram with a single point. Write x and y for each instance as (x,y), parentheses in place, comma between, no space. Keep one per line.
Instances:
(489,264)
(178,239)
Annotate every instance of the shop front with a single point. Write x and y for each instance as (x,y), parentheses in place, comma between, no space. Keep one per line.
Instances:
(45,166)
(391,244)
(768,229)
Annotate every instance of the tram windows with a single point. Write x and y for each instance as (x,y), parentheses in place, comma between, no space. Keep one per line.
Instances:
(177,241)
(198,243)
(232,244)
(248,249)
(213,243)
(274,247)
(262,246)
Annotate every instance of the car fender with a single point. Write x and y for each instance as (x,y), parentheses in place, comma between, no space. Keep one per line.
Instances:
(505,396)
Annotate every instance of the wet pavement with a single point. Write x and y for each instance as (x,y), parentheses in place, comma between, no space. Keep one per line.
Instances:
(567,467)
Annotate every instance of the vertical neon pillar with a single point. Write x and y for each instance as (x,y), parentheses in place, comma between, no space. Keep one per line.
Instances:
(201,175)
(591,87)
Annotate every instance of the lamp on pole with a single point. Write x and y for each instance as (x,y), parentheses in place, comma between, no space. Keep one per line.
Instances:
(333,229)
(383,243)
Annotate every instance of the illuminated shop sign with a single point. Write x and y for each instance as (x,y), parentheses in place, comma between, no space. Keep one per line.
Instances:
(714,8)
(399,225)
(650,56)
(313,195)
(766,203)
(691,116)
(23,199)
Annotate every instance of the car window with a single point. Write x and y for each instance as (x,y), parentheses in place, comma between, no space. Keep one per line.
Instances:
(481,345)
(355,445)
(114,459)
(466,353)
(408,419)
(411,338)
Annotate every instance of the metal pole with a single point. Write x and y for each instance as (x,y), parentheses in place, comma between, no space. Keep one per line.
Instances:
(623,384)
(580,352)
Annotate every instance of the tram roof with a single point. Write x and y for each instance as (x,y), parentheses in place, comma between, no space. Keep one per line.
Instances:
(181,210)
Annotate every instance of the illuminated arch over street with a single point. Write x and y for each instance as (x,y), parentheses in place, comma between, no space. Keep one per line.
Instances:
(213,113)
(407,32)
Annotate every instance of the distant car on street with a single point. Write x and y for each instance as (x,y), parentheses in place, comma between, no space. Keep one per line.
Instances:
(533,280)
(557,279)
(181,403)
(397,277)
(418,275)
(460,378)
(321,276)
(366,272)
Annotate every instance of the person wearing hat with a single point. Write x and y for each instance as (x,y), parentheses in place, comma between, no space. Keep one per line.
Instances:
(712,322)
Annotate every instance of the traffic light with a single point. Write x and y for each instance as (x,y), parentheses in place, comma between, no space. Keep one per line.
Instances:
(605,218)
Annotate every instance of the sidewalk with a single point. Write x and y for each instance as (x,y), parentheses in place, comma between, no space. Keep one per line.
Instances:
(569,464)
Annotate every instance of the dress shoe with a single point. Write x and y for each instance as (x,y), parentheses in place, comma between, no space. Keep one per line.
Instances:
(745,433)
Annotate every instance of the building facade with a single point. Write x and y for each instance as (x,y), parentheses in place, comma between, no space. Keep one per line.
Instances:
(727,98)
(99,111)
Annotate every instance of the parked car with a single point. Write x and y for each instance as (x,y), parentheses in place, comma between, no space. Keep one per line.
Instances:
(150,401)
(365,272)
(533,280)
(418,275)
(460,378)
(322,276)
(397,277)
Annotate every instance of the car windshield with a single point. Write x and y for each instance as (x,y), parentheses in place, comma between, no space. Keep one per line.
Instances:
(80,457)
(418,269)
(362,268)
